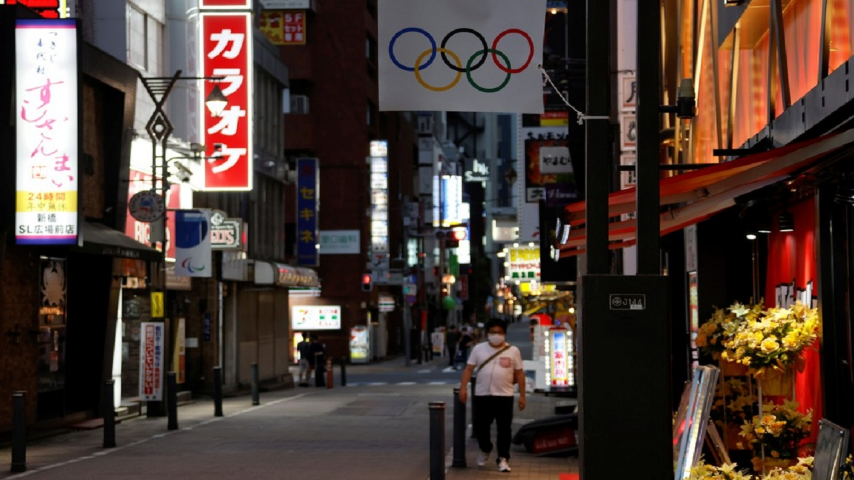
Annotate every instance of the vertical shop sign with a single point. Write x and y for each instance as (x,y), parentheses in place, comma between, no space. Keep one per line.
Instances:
(308,193)
(45,8)
(193,243)
(47,134)
(179,355)
(226,51)
(151,361)
(379,210)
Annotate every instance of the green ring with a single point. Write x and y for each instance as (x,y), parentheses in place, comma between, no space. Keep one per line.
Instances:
(478,87)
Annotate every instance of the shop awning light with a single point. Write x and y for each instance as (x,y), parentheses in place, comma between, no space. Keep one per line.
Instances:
(787,222)
(763,226)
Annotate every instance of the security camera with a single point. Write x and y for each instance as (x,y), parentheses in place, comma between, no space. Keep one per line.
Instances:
(183,174)
(685,101)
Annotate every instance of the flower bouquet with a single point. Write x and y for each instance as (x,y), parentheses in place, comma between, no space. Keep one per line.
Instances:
(779,430)
(727,471)
(770,342)
(714,335)
(800,471)
(734,404)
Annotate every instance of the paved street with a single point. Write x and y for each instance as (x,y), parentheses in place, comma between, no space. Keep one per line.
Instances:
(376,430)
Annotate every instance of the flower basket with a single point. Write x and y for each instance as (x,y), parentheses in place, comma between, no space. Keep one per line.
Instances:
(779,383)
(732,369)
(770,463)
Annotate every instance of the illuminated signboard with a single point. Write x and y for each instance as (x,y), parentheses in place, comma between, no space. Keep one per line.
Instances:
(226,51)
(308,203)
(47,131)
(379,209)
(524,263)
(315,317)
(45,8)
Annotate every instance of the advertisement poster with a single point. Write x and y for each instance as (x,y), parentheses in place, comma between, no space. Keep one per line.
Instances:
(46,117)
(360,345)
(559,356)
(151,361)
(438,341)
(193,243)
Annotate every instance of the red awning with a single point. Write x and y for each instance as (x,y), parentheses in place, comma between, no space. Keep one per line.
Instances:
(702,193)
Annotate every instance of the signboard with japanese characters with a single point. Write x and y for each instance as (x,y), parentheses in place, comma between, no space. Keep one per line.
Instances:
(283,28)
(549,174)
(524,263)
(226,51)
(339,242)
(378,161)
(308,196)
(151,361)
(47,120)
(315,317)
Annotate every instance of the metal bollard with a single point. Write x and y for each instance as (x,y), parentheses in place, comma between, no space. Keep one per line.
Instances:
(19,432)
(172,401)
(459,431)
(437,440)
(328,373)
(109,415)
(217,375)
(472,397)
(319,377)
(343,371)
(255,399)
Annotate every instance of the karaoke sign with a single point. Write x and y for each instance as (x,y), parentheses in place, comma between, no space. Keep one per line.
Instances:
(226,51)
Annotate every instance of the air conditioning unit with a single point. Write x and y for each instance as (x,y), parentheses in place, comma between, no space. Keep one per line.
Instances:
(299,104)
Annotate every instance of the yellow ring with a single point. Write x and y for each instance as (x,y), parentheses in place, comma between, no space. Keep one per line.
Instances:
(431,87)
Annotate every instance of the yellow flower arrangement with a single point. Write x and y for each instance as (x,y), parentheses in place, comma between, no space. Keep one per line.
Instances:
(713,335)
(727,471)
(801,471)
(770,341)
(780,429)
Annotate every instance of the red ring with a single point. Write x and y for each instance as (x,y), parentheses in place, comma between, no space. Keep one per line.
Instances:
(495,47)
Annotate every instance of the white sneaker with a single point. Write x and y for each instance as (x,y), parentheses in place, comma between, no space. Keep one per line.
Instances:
(482,457)
(503,466)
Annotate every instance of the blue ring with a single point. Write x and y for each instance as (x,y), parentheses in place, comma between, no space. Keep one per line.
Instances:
(416,30)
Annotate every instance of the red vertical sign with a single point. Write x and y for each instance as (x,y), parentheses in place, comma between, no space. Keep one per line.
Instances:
(226,51)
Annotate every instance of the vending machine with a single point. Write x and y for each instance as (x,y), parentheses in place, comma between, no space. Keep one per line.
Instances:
(559,360)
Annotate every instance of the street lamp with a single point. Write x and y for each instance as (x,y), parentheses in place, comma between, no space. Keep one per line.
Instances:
(159,128)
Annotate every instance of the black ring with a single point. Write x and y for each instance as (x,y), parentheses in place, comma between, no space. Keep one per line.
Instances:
(476,34)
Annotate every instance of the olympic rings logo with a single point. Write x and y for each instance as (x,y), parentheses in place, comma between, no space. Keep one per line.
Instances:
(457,65)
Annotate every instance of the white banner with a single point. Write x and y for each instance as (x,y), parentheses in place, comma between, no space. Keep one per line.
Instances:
(151,361)
(193,243)
(450,55)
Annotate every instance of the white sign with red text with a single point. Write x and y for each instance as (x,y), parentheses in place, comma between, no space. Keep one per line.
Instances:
(46,121)
(151,359)
(226,51)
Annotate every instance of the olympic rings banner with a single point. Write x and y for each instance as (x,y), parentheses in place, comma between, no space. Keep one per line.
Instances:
(453,55)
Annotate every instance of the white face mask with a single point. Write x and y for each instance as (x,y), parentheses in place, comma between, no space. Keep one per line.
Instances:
(495,338)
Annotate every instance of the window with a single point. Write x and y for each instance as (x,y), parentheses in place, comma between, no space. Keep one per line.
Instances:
(144,39)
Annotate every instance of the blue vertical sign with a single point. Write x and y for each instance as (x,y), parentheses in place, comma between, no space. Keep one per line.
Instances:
(308,194)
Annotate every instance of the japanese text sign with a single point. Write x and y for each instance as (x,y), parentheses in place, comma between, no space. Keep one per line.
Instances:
(315,317)
(308,194)
(47,116)
(227,52)
(283,28)
(151,361)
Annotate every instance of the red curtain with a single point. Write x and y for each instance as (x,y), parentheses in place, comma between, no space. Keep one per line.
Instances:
(792,276)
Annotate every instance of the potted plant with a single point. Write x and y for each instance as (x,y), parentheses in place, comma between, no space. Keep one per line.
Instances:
(777,433)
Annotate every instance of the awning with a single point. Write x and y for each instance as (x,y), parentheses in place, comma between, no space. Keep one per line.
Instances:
(703,192)
(99,239)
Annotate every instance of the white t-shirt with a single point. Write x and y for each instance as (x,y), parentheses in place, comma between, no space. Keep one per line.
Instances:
(496,377)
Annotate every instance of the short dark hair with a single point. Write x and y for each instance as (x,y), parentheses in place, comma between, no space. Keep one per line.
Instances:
(496,322)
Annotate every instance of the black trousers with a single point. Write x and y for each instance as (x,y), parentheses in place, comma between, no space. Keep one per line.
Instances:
(488,409)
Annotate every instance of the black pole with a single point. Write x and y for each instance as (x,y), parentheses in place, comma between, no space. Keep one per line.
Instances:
(19,432)
(343,371)
(109,415)
(459,431)
(255,399)
(647,193)
(217,375)
(473,382)
(437,440)
(597,133)
(172,401)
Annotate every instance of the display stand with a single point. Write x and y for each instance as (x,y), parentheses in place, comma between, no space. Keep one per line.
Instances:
(761,403)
